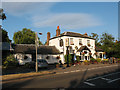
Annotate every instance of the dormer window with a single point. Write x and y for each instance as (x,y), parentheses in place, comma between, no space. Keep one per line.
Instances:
(80,41)
(71,41)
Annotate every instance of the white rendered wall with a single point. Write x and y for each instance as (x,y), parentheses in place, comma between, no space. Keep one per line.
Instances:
(52,58)
(55,42)
(21,60)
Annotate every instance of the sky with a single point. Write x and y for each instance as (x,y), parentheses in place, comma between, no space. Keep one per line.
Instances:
(80,17)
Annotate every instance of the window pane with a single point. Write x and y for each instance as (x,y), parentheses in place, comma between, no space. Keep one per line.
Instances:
(80,41)
(88,41)
(71,41)
(61,42)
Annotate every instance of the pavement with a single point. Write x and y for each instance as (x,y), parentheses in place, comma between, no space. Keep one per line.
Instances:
(80,76)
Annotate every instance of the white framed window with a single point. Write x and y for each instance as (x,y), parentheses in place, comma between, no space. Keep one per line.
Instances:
(80,41)
(88,43)
(71,41)
(61,42)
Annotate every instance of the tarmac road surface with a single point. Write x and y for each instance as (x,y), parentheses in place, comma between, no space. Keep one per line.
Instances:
(104,77)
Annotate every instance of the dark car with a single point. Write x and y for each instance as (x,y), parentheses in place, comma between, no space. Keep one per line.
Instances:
(42,63)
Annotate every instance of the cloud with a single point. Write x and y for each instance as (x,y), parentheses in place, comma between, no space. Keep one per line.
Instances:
(39,13)
(66,20)
(23,8)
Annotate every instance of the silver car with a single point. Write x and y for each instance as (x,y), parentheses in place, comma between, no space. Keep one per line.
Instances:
(42,63)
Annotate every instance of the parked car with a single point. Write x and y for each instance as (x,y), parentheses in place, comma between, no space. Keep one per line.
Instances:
(42,63)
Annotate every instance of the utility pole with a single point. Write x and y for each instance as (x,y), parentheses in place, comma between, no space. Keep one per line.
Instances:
(36,40)
(36,44)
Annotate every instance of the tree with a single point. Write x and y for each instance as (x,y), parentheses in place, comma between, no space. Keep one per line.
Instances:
(10,61)
(116,50)
(107,42)
(26,36)
(96,37)
(5,37)
(3,32)
(2,15)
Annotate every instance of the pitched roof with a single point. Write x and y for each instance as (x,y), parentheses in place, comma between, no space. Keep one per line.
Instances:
(72,34)
(30,48)
(98,49)
(83,48)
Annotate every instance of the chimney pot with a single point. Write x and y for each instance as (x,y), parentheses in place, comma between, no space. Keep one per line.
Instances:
(58,31)
(57,27)
(85,34)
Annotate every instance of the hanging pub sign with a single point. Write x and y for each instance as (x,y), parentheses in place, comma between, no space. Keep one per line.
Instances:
(67,42)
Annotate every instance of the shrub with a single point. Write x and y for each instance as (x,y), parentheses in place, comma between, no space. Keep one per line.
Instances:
(98,59)
(30,64)
(70,58)
(92,59)
(78,58)
(118,60)
(105,59)
(86,62)
(10,61)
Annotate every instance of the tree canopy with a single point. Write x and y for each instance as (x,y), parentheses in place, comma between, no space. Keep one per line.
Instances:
(2,15)
(5,37)
(96,37)
(26,36)
(107,44)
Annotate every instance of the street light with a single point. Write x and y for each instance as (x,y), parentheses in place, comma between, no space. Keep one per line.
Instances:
(67,51)
(36,44)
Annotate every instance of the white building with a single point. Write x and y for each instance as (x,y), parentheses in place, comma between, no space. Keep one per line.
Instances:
(26,53)
(79,44)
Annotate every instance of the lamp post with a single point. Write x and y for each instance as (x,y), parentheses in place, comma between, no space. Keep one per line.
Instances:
(67,51)
(36,44)
(67,56)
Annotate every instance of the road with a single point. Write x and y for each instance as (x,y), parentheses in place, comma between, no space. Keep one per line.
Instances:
(101,77)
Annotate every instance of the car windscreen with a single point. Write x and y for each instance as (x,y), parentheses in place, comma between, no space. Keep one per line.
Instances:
(42,61)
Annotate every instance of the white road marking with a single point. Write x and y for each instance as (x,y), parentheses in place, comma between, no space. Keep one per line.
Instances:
(59,73)
(93,79)
(90,84)
(113,80)
(110,74)
(72,71)
(102,76)
(99,67)
(91,68)
(106,79)
(66,72)
(77,70)
(88,69)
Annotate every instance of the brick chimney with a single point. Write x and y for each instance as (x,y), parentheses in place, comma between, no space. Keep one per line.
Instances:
(85,34)
(57,31)
(48,37)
